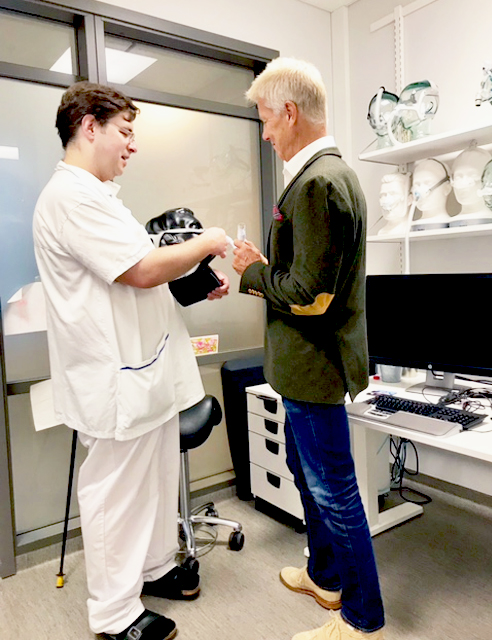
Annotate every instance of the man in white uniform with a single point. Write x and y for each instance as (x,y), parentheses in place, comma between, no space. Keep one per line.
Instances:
(121,362)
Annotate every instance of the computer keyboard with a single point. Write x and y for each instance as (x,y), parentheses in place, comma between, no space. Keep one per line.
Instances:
(426,417)
(465,419)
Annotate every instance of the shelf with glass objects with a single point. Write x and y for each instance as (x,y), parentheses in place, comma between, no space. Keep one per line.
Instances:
(427,188)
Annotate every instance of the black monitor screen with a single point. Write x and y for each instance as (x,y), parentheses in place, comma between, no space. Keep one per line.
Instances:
(433,321)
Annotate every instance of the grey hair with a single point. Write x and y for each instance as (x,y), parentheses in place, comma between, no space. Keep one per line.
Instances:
(288,79)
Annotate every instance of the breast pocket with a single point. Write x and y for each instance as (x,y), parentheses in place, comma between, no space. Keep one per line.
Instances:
(146,390)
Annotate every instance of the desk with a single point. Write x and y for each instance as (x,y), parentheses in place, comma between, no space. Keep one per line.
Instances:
(366,439)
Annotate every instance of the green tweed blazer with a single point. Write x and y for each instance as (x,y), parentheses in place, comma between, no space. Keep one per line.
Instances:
(314,285)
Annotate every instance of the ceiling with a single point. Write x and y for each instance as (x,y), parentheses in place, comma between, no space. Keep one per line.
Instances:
(329,5)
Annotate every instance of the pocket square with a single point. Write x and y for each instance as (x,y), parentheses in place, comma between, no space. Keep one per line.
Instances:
(277,214)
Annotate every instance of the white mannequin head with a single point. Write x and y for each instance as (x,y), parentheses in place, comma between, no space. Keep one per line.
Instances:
(394,200)
(467,174)
(430,188)
(486,190)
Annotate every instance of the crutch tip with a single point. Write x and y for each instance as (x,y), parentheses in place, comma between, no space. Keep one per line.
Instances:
(60,581)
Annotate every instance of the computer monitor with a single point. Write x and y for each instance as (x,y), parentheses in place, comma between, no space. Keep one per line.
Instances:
(436,322)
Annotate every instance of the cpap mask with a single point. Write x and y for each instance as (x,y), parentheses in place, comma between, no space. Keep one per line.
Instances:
(485,93)
(379,112)
(464,182)
(389,201)
(422,192)
(417,106)
(486,191)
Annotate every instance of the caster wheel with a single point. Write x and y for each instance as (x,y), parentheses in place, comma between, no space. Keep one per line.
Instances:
(191,564)
(211,512)
(236,541)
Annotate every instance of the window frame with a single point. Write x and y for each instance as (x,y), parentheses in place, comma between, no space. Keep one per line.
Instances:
(91,21)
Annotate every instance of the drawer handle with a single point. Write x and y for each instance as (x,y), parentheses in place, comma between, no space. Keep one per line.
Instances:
(271,427)
(273,480)
(272,446)
(270,404)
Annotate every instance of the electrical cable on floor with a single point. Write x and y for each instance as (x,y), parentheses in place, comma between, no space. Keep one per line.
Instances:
(399,452)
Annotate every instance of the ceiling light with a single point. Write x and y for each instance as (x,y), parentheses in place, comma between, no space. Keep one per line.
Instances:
(9,153)
(121,66)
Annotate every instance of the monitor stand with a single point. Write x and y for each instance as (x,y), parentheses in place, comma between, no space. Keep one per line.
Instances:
(436,384)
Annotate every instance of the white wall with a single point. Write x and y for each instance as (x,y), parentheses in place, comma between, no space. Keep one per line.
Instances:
(447,41)
(291,27)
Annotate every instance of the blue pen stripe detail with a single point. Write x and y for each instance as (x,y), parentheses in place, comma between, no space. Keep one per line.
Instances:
(149,364)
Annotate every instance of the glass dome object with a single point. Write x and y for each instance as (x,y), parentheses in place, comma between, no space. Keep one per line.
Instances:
(381,107)
(485,93)
(417,106)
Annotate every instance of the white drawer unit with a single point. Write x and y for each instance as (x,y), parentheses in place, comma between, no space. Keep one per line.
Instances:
(269,454)
(271,479)
(276,490)
(266,427)
(263,401)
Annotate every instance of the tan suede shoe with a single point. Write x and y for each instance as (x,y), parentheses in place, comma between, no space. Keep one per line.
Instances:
(337,629)
(298,580)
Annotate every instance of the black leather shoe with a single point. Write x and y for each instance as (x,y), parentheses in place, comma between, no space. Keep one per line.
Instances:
(148,626)
(181,583)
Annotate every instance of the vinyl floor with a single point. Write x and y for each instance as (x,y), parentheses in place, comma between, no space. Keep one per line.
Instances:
(435,571)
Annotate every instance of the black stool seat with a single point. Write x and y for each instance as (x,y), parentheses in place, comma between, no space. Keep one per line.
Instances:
(197,422)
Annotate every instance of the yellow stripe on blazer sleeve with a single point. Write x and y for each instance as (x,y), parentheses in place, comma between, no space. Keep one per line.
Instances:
(317,308)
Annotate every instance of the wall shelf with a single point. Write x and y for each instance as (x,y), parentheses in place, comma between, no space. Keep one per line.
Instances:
(437,234)
(429,146)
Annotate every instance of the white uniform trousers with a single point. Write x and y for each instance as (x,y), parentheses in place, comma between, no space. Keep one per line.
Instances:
(128,499)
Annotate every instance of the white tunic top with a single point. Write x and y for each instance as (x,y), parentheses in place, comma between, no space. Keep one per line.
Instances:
(121,358)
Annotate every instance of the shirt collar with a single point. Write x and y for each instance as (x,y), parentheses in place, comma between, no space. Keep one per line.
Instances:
(295,164)
(109,186)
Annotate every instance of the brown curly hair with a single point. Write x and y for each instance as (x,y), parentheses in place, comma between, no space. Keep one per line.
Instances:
(84,98)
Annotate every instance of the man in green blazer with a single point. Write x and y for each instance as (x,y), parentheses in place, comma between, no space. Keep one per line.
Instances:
(313,281)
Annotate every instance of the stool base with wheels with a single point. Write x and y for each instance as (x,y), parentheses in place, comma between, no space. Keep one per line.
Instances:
(195,425)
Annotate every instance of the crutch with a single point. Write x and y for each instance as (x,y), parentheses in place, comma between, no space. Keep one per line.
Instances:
(60,581)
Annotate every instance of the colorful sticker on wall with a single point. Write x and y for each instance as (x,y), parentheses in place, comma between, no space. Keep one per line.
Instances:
(204,345)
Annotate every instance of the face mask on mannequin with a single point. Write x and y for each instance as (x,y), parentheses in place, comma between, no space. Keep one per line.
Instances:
(485,93)
(394,199)
(380,109)
(418,102)
(417,105)
(390,201)
(464,182)
(421,192)
(486,191)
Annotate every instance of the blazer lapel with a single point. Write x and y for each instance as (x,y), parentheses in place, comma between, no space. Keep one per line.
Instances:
(331,151)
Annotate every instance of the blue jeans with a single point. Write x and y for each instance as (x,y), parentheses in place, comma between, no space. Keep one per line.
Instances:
(341,554)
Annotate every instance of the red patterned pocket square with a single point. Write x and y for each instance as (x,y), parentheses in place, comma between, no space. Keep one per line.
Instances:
(277,214)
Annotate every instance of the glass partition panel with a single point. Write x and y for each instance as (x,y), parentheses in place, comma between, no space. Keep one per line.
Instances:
(151,67)
(29,150)
(210,164)
(33,42)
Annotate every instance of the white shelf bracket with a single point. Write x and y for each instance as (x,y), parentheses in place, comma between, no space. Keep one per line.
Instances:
(399,51)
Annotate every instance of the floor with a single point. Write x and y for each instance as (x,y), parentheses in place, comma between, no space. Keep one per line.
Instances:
(436,578)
